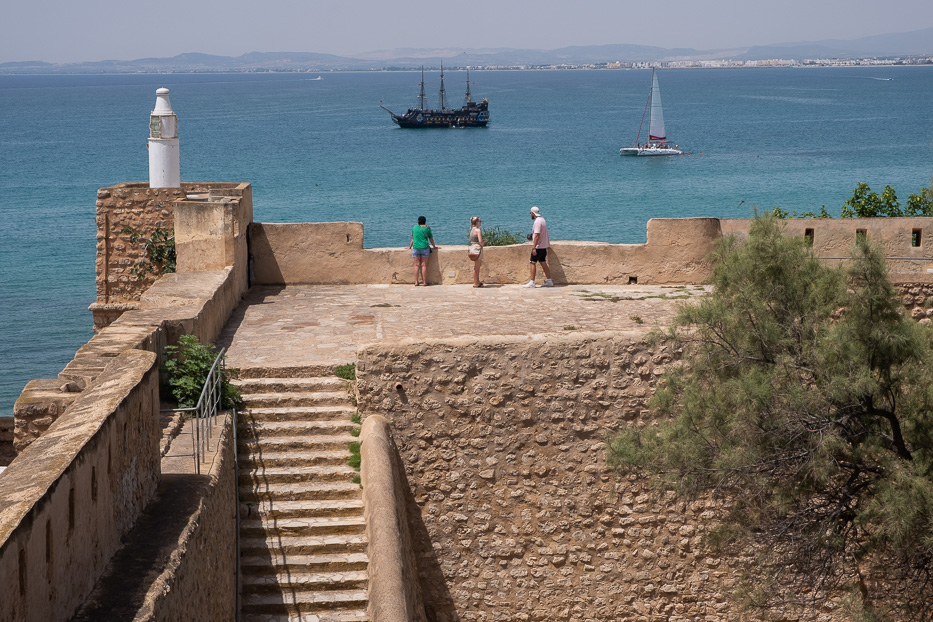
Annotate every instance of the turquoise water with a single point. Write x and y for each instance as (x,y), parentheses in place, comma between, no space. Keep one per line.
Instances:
(324,151)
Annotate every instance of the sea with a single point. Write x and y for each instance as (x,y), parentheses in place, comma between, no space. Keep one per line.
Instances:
(323,150)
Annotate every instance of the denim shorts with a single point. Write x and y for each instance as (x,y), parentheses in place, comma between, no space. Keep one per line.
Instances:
(420,252)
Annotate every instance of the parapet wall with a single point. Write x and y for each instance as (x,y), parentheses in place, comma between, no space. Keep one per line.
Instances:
(514,513)
(67,500)
(333,253)
(198,584)
(676,253)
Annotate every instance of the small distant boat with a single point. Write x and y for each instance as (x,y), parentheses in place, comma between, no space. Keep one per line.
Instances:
(317,78)
(657,144)
(472,114)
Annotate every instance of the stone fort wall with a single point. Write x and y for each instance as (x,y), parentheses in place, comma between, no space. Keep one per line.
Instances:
(137,207)
(513,512)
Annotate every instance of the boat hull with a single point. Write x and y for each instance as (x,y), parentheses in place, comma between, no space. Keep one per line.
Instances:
(650,151)
(473,115)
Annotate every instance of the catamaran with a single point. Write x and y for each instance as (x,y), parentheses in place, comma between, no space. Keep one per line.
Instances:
(657,144)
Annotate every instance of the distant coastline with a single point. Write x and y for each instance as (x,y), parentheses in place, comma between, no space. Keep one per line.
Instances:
(29,69)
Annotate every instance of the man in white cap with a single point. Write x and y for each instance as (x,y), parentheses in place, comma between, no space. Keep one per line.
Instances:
(539,245)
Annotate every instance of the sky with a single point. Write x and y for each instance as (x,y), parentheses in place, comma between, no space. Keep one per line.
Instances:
(61,31)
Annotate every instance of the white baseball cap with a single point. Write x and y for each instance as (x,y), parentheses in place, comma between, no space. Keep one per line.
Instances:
(535,211)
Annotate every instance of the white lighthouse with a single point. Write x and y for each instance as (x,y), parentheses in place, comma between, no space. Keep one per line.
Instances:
(164,164)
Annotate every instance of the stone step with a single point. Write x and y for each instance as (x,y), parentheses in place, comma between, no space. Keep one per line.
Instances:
(296,428)
(296,474)
(295,413)
(262,458)
(304,581)
(301,602)
(345,615)
(275,562)
(300,492)
(249,386)
(297,399)
(250,446)
(303,545)
(304,526)
(302,509)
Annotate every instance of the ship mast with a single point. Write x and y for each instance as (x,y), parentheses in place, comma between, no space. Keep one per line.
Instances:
(421,96)
(468,99)
(443,93)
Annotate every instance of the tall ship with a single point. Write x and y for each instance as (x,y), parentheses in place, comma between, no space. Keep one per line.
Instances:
(657,143)
(472,114)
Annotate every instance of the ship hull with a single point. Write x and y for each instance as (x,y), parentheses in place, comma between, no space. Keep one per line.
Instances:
(468,116)
(650,151)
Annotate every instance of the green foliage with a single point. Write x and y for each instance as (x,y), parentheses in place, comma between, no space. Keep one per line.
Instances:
(187,366)
(867,204)
(355,458)
(347,372)
(159,252)
(501,237)
(806,397)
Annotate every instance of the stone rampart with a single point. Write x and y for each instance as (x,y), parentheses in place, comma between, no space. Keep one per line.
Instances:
(906,241)
(514,513)
(332,253)
(198,584)
(395,591)
(209,221)
(67,500)
(675,253)
(191,303)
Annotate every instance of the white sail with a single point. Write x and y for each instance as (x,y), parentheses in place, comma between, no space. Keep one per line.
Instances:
(656,119)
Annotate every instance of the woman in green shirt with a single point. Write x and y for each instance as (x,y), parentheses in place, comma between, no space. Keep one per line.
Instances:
(420,245)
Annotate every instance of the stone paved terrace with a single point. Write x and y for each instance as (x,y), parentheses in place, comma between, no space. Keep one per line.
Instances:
(318,326)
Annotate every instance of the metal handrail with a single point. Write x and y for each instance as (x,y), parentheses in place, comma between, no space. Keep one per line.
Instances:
(206,410)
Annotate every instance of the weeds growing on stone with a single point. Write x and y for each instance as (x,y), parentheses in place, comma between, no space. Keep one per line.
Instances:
(347,372)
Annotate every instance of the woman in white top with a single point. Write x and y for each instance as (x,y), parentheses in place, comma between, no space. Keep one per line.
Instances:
(476,248)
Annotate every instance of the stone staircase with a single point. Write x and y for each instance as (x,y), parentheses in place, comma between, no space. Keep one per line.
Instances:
(302,534)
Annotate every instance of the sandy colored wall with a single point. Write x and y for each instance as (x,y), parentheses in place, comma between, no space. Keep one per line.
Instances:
(212,230)
(333,253)
(199,582)
(676,252)
(394,587)
(193,303)
(834,237)
(514,513)
(66,501)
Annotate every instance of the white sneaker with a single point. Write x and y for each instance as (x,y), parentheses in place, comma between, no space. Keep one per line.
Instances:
(529,284)
(549,283)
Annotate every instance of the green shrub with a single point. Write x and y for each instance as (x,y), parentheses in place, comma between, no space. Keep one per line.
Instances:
(347,372)
(501,237)
(187,366)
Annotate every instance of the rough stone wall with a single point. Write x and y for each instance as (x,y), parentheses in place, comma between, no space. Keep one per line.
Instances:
(199,582)
(7,453)
(143,209)
(514,514)
(194,303)
(68,499)
(918,299)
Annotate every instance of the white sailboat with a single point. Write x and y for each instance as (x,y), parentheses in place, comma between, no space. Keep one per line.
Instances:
(656,144)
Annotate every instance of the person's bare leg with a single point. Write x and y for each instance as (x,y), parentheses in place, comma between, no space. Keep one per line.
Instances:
(532,270)
(424,270)
(476,265)
(547,270)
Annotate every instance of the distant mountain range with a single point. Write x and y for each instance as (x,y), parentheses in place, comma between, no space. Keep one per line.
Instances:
(907,44)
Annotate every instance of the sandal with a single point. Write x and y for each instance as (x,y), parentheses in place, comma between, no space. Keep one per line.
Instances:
(480,285)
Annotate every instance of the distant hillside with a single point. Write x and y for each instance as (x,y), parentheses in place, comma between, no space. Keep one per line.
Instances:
(916,43)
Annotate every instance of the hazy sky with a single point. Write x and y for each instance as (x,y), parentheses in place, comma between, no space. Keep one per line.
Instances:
(70,31)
